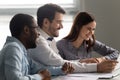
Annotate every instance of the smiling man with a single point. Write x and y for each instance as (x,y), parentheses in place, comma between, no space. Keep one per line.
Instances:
(49,18)
(15,64)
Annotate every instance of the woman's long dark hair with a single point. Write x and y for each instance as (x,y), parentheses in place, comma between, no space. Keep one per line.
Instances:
(81,19)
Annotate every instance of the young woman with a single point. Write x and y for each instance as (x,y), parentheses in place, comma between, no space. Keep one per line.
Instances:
(81,42)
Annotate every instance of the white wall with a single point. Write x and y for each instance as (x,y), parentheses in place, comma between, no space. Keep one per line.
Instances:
(107,14)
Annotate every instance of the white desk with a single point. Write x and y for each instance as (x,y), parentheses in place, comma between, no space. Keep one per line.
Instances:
(91,76)
(82,78)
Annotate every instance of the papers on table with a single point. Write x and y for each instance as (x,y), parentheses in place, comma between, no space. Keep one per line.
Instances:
(87,76)
(114,73)
(91,76)
(96,75)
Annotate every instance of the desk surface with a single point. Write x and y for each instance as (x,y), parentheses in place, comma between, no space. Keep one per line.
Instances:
(82,78)
(90,76)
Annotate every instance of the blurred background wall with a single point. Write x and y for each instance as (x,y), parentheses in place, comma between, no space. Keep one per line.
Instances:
(106,12)
(107,15)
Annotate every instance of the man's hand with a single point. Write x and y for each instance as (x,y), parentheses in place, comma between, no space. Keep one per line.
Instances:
(67,68)
(106,66)
(45,74)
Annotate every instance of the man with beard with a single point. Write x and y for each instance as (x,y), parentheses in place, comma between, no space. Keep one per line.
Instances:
(15,63)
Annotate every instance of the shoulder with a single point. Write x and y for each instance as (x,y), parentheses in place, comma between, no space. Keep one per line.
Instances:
(62,42)
(98,43)
(12,45)
(41,40)
(12,49)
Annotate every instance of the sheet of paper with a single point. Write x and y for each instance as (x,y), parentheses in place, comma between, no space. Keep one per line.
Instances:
(114,73)
(98,75)
(90,76)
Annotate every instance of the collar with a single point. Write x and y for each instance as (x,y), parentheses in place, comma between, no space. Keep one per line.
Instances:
(45,35)
(50,38)
(13,39)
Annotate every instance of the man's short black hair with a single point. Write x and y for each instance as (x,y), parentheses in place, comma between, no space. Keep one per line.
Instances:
(48,11)
(18,22)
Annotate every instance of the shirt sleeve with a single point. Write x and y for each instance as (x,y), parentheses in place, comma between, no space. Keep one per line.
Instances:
(84,67)
(34,66)
(106,51)
(13,65)
(55,71)
(45,55)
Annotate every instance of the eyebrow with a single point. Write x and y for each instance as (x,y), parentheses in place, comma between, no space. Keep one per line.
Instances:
(91,28)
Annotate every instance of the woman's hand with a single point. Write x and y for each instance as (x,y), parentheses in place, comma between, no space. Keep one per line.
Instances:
(93,60)
(106,66)
(89,60)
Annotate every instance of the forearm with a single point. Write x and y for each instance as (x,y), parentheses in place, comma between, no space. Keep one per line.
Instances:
(106,51)
(14,74)
(113,56)
(84,67)
(55,71)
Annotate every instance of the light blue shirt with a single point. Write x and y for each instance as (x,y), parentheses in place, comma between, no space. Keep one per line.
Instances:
(15,64)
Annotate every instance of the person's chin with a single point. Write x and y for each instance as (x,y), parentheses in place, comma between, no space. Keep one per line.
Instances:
(33,46)
(56,35)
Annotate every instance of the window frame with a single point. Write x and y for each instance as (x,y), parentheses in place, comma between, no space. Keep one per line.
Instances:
(10,9)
